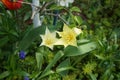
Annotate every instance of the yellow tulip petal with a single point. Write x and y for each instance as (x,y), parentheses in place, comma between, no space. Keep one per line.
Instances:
(68,36)
(49,39)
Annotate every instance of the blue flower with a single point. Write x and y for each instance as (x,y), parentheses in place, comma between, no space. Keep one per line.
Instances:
(26,78)
(22,54)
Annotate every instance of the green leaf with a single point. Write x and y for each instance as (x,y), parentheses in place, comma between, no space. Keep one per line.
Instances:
(39,59)
(3,41)
(4,74)
(46,74)
(93,77)
(30,37)
(82,49)
(100,57)
(13,63)
(78,19)
(83,41)
(87,47)
(35,74)
(23,73)
(55,59)
(76,9)
(52,63)
(26,17)
(54,7)
(71,51)
(63,67)
(106,75)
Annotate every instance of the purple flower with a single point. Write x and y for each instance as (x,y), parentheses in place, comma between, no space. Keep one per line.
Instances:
(26,78)
(22,54)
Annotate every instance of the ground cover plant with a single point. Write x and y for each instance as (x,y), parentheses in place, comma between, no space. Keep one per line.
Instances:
(59,40)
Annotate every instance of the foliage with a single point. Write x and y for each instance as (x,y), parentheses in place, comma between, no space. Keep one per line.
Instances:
(96,56)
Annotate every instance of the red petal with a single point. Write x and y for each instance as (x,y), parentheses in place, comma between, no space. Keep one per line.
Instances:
(12,5)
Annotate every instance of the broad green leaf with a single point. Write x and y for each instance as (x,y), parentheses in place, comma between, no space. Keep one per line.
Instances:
(64,63)
(39,59)
(82,49)
(30,37)
(55,59)
(85,48)
(63,67)
(50,65)
(4,74)
(71,51)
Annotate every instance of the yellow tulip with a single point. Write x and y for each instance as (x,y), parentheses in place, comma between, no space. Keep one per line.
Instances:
(48,39)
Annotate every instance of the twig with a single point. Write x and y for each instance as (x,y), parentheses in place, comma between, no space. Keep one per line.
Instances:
(63,20)
(58,15)
(28,4)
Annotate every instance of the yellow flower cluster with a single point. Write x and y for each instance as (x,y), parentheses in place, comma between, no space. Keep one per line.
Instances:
(89,67)
(68,37)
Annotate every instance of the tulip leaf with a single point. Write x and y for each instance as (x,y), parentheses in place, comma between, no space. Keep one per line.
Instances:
(82,49)
(4,74)
(63,67)
(85,48)
(39,59)
(50,65)
(30,37)
(3,41)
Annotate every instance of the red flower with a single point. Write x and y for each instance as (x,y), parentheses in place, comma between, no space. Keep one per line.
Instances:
(12,4)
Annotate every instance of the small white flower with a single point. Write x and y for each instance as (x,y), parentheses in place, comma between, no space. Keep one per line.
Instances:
(65,2)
